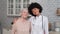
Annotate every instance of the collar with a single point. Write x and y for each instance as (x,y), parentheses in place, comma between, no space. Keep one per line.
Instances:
(38,16)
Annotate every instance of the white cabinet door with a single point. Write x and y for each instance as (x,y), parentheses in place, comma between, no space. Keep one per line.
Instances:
(14,7)
(38,1)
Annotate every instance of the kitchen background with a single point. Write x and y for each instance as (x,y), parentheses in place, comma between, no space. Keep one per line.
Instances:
(49,10)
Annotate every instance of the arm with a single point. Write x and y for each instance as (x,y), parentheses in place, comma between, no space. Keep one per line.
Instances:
(13,29)
(14,21)
(46,26)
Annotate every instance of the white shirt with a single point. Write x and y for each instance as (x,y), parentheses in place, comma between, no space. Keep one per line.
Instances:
(38,26)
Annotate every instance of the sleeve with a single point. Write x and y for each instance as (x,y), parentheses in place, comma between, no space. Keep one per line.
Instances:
(13,29)
(46,25)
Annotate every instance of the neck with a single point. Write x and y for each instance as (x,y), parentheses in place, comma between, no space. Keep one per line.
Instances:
(38,15)
(23,18)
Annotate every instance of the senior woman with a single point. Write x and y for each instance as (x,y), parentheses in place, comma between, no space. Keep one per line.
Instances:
(22,25)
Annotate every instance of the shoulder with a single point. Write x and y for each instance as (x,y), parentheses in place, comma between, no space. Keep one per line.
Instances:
(31,17)
(45,17)
(14,24)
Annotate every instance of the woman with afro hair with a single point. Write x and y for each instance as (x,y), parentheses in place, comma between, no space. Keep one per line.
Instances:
(39,22)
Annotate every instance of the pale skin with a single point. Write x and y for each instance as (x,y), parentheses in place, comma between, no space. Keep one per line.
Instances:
(24,15)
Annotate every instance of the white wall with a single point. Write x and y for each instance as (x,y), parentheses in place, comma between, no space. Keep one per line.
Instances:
(49,9)
(5,31)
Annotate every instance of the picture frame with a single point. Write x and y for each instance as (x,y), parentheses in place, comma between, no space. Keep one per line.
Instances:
(58,11)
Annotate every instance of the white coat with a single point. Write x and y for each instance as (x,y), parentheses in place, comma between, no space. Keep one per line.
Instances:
(39,24)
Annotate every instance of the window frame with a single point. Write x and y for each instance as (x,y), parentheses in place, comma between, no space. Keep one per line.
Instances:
(14,7)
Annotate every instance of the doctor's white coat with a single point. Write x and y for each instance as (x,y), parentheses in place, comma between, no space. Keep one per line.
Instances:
(39,24)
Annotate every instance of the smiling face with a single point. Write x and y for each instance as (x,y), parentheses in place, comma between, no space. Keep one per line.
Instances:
(35,11)
(24,13)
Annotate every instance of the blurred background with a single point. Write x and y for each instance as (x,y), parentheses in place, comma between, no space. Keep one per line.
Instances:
(9,9)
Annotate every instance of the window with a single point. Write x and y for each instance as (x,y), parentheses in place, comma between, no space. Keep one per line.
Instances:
(14,7)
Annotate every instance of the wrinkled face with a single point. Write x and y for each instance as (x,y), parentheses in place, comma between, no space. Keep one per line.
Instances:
(35,11)
(24,14)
